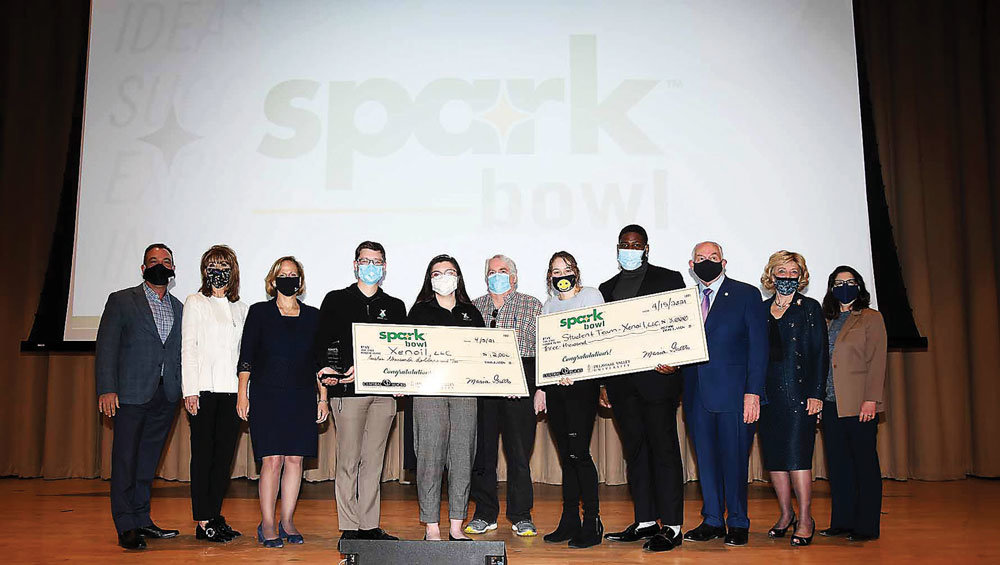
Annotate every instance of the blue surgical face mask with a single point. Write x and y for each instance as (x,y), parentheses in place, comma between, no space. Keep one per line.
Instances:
(786,285)
(498,283)
(630,259)
(370,273)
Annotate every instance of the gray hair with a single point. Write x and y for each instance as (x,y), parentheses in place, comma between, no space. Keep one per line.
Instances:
(697,245)
(507,260)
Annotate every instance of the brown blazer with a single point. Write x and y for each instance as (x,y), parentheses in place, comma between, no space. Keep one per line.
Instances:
(858,362)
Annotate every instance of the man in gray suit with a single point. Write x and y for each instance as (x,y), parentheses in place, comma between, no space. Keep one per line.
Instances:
(138,368)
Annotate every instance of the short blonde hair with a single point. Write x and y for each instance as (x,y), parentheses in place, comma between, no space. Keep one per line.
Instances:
(269,286)
(780,258)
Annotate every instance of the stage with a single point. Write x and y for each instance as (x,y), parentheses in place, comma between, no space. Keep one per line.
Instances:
(70,520)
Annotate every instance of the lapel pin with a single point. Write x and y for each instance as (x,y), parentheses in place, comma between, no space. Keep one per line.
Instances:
(725,294)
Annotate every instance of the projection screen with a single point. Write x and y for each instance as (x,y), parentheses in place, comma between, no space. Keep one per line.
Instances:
(522,128)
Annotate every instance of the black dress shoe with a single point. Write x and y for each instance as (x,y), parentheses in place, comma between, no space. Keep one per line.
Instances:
(834,532)
(854,536)
(131,539)
(705,532)
(665,540)
(633,533)
(220,523)
(156,532)
(738,536)
(350,534)
(211,532)
(376,534)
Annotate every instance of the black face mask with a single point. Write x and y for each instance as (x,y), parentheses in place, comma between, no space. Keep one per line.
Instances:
(846,294)
(218,278)
(159,274)
(564,284)
(708,270)
(287,285)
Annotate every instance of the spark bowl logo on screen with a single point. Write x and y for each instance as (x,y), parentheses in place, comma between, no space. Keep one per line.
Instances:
(503,124)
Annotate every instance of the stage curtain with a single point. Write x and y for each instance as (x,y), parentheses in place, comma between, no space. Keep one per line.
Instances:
(934,70)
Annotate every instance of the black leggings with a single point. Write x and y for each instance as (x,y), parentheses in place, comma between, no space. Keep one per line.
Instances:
(572,410)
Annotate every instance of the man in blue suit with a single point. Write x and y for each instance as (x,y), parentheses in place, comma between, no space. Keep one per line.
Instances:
(138,370)
(722,397)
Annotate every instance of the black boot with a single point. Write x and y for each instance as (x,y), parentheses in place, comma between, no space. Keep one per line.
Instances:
(569,527)
(591,533)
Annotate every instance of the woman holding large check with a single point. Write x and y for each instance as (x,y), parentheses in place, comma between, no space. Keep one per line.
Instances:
(572,408)
(444,427)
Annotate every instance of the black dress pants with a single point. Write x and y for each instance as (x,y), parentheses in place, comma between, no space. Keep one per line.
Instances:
(854,472)
(645,408)
(572,410)
(140,431)
(515,419)
(215,431)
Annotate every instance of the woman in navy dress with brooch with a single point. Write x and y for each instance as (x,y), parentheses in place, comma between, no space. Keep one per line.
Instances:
(279,394)
(796,377)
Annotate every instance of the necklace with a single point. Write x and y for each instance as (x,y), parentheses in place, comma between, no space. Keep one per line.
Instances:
(782,306)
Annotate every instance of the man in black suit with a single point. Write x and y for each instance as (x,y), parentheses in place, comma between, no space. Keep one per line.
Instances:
(138,370)
(645,407)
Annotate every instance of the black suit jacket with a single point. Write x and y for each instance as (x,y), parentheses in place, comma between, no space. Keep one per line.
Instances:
(657,279)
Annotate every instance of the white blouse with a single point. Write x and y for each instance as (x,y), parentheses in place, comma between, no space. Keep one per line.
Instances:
(211,329)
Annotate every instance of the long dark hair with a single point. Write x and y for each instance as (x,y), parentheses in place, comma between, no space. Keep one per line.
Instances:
(831,306)
(427,293)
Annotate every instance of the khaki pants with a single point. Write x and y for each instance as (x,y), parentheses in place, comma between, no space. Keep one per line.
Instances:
(363,424)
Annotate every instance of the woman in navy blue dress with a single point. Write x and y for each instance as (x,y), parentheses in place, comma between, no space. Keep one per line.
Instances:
(280,396)
(796,379)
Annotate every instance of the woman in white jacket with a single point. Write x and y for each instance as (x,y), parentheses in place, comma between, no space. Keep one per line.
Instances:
(210,347)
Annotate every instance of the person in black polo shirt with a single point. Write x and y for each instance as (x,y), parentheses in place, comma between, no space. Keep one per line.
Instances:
(444,427)
(362,422)
(645,407)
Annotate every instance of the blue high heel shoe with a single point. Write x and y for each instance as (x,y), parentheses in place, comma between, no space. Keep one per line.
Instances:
(272,543)
(292,538)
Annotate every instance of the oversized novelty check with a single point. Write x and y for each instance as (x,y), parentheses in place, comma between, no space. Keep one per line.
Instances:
(437,361)
(621,337)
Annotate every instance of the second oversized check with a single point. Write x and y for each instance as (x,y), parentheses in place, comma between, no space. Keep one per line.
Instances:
(437,361)
(621,337)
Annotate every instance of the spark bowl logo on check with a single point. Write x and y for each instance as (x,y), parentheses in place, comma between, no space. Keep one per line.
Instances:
(412,339)
(593,320)
(383,383)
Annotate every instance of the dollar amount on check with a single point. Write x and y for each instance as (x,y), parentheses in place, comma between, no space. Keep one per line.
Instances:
(437,361)
(621,337)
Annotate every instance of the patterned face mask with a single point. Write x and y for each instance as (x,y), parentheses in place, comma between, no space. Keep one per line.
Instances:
(218,278)
(786,285)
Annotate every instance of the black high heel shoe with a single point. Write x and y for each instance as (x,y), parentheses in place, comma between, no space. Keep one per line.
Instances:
(780,532)
(799,541)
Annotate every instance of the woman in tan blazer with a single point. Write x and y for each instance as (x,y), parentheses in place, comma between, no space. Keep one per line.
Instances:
(853,398)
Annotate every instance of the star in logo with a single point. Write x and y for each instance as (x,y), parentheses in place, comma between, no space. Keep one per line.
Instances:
(504,116)
(171,137)
(381,314)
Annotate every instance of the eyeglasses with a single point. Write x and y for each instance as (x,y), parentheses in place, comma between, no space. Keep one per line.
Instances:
(842,282)
(376,262)
(493,322)
(452,272)
(631,245)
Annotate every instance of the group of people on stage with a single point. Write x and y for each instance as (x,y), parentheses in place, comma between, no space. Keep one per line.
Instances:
(775,366)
